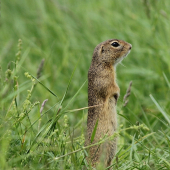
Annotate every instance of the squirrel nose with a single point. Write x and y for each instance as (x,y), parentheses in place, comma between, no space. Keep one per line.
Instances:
(130,47)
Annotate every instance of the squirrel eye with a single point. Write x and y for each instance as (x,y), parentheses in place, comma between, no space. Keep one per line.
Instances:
(115,44)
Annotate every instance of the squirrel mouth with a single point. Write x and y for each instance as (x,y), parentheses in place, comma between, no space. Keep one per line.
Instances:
(126,54)
(118,60)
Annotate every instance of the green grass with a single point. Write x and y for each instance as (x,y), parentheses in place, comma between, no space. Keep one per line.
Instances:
(64,33)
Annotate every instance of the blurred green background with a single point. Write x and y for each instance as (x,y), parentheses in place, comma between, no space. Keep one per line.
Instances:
(65,33)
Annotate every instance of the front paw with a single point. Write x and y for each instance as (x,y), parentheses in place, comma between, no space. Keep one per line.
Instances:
(116,96)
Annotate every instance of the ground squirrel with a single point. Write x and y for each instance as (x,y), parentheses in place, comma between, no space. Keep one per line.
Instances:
(103,93)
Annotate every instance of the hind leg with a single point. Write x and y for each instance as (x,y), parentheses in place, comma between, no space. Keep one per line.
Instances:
(111,151)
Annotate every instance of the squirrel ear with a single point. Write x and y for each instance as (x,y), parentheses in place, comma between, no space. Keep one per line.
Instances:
(102,49)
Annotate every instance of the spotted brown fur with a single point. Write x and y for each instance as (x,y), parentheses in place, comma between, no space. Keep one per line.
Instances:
(103,92)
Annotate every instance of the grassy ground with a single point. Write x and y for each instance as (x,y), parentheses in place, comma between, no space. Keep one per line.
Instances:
(64,34)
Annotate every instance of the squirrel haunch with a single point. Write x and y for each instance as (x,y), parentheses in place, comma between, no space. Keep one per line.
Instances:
(103,93)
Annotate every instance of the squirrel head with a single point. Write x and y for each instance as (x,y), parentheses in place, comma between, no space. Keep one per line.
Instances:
(111,52)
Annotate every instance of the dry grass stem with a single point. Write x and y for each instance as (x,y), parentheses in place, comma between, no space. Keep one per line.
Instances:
(83,108)
(43,104)
(128,91)
(40,68)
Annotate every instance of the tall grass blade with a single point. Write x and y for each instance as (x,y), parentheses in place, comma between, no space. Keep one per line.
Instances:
(160,109)
(94,131)
(166,79)
(44,86)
